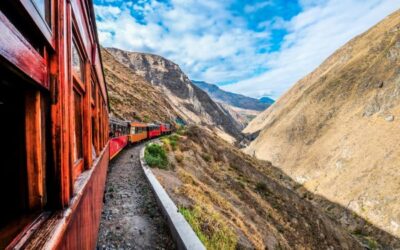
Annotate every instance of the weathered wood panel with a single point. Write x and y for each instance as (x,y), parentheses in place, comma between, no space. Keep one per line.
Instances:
(17,50)
(81,231)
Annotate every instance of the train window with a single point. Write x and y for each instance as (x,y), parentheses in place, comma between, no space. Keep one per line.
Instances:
(22,156)
(78,116)
(77,63)
(44,8)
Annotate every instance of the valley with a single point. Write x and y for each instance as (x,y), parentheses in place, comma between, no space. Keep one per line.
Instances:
(317,168)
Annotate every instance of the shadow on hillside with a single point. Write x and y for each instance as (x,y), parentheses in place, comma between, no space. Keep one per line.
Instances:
(371,236)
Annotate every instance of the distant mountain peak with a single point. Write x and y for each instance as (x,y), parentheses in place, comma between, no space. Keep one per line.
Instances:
(232,99)
(266,99)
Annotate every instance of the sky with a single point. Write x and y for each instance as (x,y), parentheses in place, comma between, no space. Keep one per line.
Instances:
(254,47)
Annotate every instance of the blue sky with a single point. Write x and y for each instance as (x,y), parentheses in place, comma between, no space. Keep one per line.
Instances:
(255,47)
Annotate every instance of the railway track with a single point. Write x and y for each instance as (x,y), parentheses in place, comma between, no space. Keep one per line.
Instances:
(131,218)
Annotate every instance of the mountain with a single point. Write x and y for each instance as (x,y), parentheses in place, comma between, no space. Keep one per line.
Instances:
(131,96)
(234,201)
(242,108)
(266,100)
(232,99)
(190,102)
(337,131)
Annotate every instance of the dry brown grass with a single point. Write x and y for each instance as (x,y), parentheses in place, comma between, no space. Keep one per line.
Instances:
(227,183)
(337,130)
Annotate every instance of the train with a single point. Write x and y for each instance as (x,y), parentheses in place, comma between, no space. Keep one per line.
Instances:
(123,133)
(54,109)
(57,134)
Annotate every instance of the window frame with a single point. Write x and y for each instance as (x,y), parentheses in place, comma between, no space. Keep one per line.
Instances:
(40,21)
(79,85)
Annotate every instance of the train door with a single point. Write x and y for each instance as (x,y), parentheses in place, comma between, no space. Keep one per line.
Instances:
(23,110)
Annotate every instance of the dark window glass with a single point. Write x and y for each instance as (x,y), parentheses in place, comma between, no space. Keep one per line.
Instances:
(77,63)
(78,154)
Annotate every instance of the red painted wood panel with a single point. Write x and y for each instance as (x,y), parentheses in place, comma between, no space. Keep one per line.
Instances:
(17,50)
(83,227)
(81,18)
(117,144)
(154,133)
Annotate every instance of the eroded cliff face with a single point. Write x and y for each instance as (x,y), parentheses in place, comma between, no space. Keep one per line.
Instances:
(337,130)
(190,102)
(132,97)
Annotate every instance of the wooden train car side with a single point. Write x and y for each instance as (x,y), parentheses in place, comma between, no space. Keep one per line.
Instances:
(138,132)
(119,137)
(153,131)
(54,108)
(165,128)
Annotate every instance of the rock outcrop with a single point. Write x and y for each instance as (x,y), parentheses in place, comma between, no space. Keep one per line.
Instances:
(191,103)
(132,97)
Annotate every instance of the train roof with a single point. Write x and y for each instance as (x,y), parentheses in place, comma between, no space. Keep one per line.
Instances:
(118,121)
(138,124)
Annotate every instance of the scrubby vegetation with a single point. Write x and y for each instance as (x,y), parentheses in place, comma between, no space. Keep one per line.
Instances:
(155,156)
(233,201)
(171,142)
(211,229)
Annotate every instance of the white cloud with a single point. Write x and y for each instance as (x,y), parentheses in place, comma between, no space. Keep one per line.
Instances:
(211,43)
(313,35)
(255,7)
(203,37)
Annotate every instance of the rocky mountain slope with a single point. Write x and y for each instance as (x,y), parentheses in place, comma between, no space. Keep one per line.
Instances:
(236,202)
(232,99)
(337,130)
(131,96)
(191,103)
(242,108)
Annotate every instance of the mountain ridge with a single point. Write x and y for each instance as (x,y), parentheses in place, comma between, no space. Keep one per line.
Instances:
(335,133)
(233,99)
(189,101)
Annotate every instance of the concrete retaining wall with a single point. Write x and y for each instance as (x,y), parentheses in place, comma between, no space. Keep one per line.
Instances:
(181,231)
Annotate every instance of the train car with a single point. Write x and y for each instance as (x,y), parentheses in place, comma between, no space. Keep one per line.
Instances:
(54,123)
(119,136)
(165,128)
(153,130)
(138,132)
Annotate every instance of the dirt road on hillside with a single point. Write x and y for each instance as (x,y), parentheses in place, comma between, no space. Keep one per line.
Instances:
(131,218)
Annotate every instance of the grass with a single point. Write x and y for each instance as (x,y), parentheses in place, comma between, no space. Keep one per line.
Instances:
(210,228)
(171,141)
(155,156)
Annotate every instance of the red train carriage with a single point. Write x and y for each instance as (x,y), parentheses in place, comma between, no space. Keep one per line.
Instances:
(54,125)
(119,136)
(165,128)
(153,130)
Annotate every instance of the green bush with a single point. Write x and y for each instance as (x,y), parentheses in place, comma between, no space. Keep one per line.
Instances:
(155,156)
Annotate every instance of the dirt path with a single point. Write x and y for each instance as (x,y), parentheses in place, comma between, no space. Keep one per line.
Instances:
(131,218)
